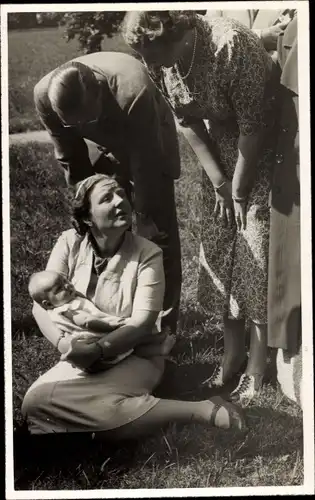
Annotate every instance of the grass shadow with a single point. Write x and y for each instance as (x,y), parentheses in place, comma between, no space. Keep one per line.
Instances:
(74,452)
(24,327)
(288,436)
(274,436)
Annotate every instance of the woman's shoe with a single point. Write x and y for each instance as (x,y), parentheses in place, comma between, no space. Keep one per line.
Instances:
(236,419)
(248,387)
(217,380)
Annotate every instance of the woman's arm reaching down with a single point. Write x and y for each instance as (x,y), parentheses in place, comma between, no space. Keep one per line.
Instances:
(250,89)
(198,138)
(244,174)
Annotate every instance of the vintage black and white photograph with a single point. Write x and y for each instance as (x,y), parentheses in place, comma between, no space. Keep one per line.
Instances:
(157,243)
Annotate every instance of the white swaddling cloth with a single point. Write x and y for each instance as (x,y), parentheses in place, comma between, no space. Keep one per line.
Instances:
(60,317)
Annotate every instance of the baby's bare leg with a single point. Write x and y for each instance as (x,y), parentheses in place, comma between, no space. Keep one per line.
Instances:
(104,325)
(156,348)
(98,324)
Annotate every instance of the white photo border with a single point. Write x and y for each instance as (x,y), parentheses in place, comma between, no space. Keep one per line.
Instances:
(306,252)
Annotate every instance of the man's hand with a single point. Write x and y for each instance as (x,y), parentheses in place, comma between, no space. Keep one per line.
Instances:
(147,228)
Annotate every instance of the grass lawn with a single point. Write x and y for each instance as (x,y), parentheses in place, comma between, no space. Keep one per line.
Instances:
(33,54)
(270,454)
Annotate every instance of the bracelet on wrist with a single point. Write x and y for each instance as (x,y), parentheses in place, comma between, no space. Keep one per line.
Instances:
(101,350)
(216,188)
(239,199)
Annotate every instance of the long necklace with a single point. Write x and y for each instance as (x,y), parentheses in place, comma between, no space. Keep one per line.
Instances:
(192,57)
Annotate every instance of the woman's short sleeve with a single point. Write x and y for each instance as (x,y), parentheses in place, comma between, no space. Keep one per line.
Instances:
(59,257)
(249,66)
(149,294)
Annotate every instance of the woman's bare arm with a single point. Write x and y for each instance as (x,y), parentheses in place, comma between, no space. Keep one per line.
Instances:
(198,138)
(249,148)
(128,336)
(84,353)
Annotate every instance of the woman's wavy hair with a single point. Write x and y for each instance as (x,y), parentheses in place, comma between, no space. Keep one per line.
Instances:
(141,28)
(81,202)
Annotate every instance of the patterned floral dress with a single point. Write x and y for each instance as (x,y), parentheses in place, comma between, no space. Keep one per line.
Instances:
(234,87)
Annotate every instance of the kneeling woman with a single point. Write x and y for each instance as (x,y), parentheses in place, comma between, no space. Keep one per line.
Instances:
(123,275)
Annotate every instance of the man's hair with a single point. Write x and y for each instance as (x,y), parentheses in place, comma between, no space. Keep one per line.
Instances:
(68,87)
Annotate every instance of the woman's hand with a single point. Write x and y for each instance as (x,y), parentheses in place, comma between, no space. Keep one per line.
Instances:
(240,206)
(223,209)
(83,352)
(270,35)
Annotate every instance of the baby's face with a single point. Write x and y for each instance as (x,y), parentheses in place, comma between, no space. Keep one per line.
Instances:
(60,292)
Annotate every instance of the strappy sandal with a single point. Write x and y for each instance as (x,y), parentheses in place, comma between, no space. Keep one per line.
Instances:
(236,417)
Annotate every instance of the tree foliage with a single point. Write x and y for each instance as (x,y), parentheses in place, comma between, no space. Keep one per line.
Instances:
(90,27)
(49,19)
(22,20)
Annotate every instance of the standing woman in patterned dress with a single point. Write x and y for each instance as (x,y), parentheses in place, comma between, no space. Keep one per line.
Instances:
(223,86)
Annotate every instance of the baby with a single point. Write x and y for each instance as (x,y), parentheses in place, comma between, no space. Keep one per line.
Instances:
(74,314)
(70,311)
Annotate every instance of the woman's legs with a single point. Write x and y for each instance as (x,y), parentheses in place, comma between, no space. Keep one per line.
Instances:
(234,346)
(251,381)
(234,353)
(184,412)
(215,412)
(64,402)
(65,399)
(258,349)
